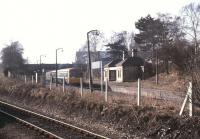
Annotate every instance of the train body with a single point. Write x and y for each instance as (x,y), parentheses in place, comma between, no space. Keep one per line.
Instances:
(71,75)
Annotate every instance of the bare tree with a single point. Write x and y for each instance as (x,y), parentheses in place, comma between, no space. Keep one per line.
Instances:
(191,22)
(131,42)
(191,26)
(171,41)
(82,53)
(117,45)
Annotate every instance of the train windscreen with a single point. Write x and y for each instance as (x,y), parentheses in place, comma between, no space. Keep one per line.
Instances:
(75,73)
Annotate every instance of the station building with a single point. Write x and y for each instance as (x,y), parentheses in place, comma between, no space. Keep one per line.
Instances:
(125,70)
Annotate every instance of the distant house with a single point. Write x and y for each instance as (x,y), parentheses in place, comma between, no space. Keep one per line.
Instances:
(110,70)
(129,69)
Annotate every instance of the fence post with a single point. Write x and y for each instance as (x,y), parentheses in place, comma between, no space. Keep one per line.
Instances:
(50,82)
(81,88)
(25,78)
(139,92)
(189,94)
(32,79)
(183,105)
(190,99)
(9,74)
(106,90)
(36,78)
(63,84)
(101,77)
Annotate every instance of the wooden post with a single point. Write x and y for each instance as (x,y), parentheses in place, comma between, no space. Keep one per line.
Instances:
(190,99)
(50,84)
(106,90)
(32,79)
(63,84)
(101,77)
(157,74)
(189,94)
(183,105)
(36,78)
(25,78)
(139,92)
(81,87)
(9,74)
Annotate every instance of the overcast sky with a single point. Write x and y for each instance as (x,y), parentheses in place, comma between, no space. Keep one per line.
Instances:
(41,26)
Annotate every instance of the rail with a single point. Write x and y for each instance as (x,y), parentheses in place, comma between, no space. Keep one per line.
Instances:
(32,125)
(80,130)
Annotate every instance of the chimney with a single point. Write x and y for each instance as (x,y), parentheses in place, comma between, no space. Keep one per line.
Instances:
(123,55)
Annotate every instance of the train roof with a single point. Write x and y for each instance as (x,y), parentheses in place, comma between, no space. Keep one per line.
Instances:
(66,69)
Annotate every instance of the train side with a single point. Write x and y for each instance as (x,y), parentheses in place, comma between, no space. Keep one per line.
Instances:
(71,75)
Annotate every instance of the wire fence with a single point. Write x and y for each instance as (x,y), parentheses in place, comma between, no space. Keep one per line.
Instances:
(127,93)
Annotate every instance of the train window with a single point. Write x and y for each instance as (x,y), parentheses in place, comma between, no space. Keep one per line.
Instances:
(62,74)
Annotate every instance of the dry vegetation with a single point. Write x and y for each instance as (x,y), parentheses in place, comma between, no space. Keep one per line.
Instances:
(119,118)
(169,82)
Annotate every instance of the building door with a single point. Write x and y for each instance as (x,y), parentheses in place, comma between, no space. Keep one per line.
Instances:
(112,75)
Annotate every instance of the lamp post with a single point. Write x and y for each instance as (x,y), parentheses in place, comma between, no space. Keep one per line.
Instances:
(89,58)
(57,65)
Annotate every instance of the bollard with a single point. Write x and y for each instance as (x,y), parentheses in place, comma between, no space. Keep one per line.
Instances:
(139,92)
(106,91)
(81,87)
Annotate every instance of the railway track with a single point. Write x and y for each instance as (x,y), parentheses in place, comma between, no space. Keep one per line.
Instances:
(49,127)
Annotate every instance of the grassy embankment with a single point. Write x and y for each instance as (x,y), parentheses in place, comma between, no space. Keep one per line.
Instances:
(116,118)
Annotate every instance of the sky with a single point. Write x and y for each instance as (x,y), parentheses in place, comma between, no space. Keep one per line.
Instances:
(42,26)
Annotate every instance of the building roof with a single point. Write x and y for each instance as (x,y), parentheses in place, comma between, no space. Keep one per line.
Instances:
(112,63)
(131,61)
(143,54)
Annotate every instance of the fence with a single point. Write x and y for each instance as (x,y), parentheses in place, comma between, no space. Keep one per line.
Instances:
(138,93)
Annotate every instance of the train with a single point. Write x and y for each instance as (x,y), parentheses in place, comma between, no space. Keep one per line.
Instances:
(71,75)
